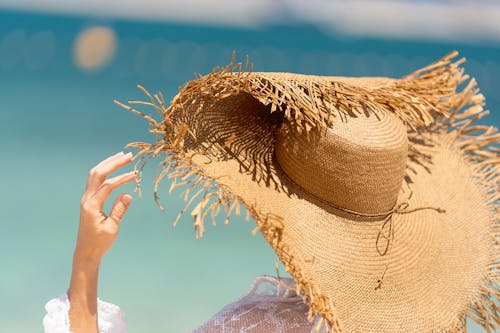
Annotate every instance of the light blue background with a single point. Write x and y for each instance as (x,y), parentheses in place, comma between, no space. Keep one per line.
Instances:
(56,122)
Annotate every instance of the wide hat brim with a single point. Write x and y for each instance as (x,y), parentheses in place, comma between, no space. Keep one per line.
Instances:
(218,137)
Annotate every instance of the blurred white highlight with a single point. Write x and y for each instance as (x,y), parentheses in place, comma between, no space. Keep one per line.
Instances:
(245,13)
(450,20)
(459,21)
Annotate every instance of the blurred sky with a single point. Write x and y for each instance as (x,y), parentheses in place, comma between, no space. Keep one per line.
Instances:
(62,63)
(456,20)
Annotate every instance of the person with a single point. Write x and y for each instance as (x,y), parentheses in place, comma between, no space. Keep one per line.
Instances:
(380,197)
(96,234)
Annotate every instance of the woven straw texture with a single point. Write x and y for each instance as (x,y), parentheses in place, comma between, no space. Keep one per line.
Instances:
(380,196)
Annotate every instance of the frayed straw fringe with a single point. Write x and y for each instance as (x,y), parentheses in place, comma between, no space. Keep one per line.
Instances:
(310,104)
(271,227)
(427,100)
(479,145)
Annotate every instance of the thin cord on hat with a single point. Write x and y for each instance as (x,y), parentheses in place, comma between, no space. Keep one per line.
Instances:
(401,208)
(381,280)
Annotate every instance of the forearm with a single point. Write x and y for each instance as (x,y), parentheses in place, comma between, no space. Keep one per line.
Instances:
(82,295)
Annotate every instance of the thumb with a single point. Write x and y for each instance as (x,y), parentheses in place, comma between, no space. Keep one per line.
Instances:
(120,206)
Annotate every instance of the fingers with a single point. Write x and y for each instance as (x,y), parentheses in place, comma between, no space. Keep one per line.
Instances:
(99,173)
(93,170)
(104,191)
(122,203)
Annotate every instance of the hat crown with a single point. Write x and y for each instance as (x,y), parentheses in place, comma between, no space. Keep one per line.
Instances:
(356,163)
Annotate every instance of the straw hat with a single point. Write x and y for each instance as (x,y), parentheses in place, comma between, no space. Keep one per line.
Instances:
(380,196)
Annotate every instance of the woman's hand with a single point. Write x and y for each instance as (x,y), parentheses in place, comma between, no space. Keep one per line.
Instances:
(96,235)
(98,231)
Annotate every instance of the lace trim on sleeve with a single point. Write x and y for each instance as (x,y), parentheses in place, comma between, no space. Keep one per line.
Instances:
(56,320)
(110,318)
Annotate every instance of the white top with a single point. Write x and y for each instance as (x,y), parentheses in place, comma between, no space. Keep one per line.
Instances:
(271,306)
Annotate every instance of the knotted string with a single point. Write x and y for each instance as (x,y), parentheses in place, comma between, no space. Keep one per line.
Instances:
(388,236)
(401,208)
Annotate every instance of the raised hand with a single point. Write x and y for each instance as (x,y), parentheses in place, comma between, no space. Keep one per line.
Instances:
(98,231)
(96,234)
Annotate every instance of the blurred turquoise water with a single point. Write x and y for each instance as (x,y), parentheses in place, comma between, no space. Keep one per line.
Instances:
(163,278)
(57,122)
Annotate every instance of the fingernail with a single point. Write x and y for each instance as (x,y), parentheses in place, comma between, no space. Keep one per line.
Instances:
(120,153)
(129,154)
(126,200)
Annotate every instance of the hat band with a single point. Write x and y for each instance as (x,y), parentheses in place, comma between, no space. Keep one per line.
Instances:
(398,208)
